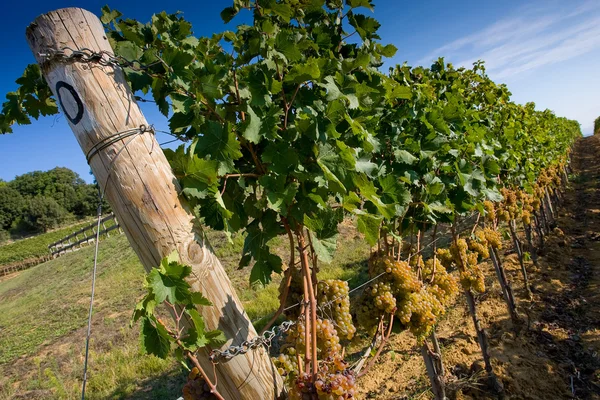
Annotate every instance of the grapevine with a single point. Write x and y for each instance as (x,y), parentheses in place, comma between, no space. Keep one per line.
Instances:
(292,128)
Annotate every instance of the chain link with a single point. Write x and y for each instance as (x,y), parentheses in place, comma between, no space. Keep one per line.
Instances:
(263,340)
(86,56)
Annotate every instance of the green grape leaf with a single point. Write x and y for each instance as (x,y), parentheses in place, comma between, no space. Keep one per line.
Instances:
(368,225)
(155,338)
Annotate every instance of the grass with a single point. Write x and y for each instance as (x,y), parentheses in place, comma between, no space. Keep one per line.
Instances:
(43,315)
(36,246)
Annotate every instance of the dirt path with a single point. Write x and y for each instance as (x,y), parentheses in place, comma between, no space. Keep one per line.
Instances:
(576,311)
(556,356)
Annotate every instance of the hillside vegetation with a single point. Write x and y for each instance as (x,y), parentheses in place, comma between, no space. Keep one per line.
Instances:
(36,246)
(42,200)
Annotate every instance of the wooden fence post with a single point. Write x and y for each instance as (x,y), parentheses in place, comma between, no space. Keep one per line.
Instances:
(142,190)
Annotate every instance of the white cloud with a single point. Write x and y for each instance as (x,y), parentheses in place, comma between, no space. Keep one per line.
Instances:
(529,39)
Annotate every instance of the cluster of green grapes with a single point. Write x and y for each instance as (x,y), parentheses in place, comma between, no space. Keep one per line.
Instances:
(527,206)
(492,238)
(328,347)
(328,341)
(295,293)
(536,200)
(490,211)
(444,257)
(442,285)
(382,296)
(479,244)
(196,387)
(333,381)
(516,204)
(550,176)
(334,295)
(471,276)
(509,209)
(399,291)
(419,311)
(397,282)
(287,364)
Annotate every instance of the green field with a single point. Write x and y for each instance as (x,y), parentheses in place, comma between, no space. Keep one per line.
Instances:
(43,315)
(36,246)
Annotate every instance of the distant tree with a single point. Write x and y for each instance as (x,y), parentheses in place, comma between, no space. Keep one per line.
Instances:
(88,201)
(4,235)
(63,185)
(11,206)
(43,213)
(597,126)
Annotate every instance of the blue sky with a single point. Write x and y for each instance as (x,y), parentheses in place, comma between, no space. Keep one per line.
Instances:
(546,51)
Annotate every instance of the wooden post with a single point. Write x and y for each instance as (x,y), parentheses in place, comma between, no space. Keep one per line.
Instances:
(142,190)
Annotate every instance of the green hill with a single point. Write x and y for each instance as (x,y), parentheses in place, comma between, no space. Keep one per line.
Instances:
(35,246)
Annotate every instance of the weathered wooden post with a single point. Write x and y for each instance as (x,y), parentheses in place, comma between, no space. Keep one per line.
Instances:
(141,188)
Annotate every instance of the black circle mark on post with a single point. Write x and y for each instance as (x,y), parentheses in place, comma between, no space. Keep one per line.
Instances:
(64,85)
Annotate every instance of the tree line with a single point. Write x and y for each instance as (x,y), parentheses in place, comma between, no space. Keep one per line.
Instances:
(41,200)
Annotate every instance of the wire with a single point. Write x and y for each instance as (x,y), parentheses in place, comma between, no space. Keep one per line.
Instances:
(114,138)
(168,142)
(89,326)
(101,145)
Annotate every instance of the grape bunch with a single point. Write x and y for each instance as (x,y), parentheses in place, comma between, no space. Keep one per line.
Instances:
(196,387)
(444,257)
(286,364)
(328,352)
(328,341)
(418,312)
(295,293)
(471,276)
(491,237)
(527,204)
(479,245)
(399,274)
(555,174)
(333,296)
(333,381)
(398,280)
(383,298)
(417,304)
(442,285)
(509,208)
(538,195)
(490,211)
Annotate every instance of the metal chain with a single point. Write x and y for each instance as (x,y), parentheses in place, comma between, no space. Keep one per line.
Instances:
(263,340)
(85,55)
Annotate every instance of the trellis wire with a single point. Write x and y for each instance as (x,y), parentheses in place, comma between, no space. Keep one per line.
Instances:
(101,145)
(89,325)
